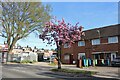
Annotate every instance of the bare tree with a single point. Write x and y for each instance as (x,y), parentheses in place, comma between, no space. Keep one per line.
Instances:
(19,19)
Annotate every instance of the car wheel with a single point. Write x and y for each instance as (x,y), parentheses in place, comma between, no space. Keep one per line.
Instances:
(112,65)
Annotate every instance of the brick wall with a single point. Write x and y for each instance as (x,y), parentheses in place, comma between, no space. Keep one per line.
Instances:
(88,49)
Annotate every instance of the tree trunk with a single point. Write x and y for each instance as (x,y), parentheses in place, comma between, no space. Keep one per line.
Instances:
(59,59)
(7,57)
(59,54)
(10,47)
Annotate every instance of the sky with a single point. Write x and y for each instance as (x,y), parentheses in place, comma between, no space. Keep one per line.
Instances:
(89,15)
(60,0)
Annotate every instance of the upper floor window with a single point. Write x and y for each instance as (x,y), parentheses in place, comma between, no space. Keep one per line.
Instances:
(66,45)
(113,39)
(95,41)
(81,43)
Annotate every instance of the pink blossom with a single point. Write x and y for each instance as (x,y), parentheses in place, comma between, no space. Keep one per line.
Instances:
(58,30)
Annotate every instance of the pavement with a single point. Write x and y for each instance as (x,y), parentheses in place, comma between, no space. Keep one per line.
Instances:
(104,72)
(0,71)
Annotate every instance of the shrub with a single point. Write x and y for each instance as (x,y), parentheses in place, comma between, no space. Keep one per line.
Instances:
(27,61)
(15,61)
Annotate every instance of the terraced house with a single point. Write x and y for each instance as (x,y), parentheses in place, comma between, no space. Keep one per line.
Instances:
(99,43)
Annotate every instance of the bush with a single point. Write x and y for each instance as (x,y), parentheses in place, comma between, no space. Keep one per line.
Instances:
(15,61)
(27,61)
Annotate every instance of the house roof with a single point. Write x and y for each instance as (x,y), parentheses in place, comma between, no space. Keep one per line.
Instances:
(111,30)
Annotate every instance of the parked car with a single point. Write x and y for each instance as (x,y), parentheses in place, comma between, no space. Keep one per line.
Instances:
(116,62)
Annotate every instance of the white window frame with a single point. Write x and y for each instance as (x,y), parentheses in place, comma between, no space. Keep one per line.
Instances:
(66,45)
(81,43)
(111,39)
(95,42)
(80,55)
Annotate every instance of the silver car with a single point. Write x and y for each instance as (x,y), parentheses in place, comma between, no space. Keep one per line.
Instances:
(116,62)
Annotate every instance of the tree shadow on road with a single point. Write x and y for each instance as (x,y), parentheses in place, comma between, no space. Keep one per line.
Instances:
(64,76)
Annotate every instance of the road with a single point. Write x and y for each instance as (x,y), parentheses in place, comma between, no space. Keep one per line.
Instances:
(24,71)
(10,71)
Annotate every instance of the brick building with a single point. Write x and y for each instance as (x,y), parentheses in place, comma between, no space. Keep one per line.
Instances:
(98,43)
(3,52)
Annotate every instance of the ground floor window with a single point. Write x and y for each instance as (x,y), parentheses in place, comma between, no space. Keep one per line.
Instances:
(110,56)
(66,57)
(96,56)
(81,55)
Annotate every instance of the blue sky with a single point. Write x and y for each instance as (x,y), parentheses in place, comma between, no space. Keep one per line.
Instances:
(78,0)
(89,14)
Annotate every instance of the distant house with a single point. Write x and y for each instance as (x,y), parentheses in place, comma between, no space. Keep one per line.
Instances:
(45,54)
(26,53)
(40,55)
(31,56)
(16,52)
(23,53)
(27,49)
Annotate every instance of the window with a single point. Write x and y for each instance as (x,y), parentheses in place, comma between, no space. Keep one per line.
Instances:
(95,41)
(81,55)
(66,45)
(81,43)
(66,57)
(113,39)
(96,56)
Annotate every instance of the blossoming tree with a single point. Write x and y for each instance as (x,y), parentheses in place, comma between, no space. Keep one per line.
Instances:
(60,32)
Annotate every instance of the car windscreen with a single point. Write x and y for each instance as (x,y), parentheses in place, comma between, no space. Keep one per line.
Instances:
(117,58)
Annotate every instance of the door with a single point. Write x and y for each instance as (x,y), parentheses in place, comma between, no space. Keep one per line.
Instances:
(71,58)
(40,57)
(67,58)
(113,56)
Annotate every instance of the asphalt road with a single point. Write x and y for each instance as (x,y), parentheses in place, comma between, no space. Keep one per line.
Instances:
(30,72)
(24,71)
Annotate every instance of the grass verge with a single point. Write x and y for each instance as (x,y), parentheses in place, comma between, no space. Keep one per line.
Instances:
(72,71)
(24,61)
(52,64)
